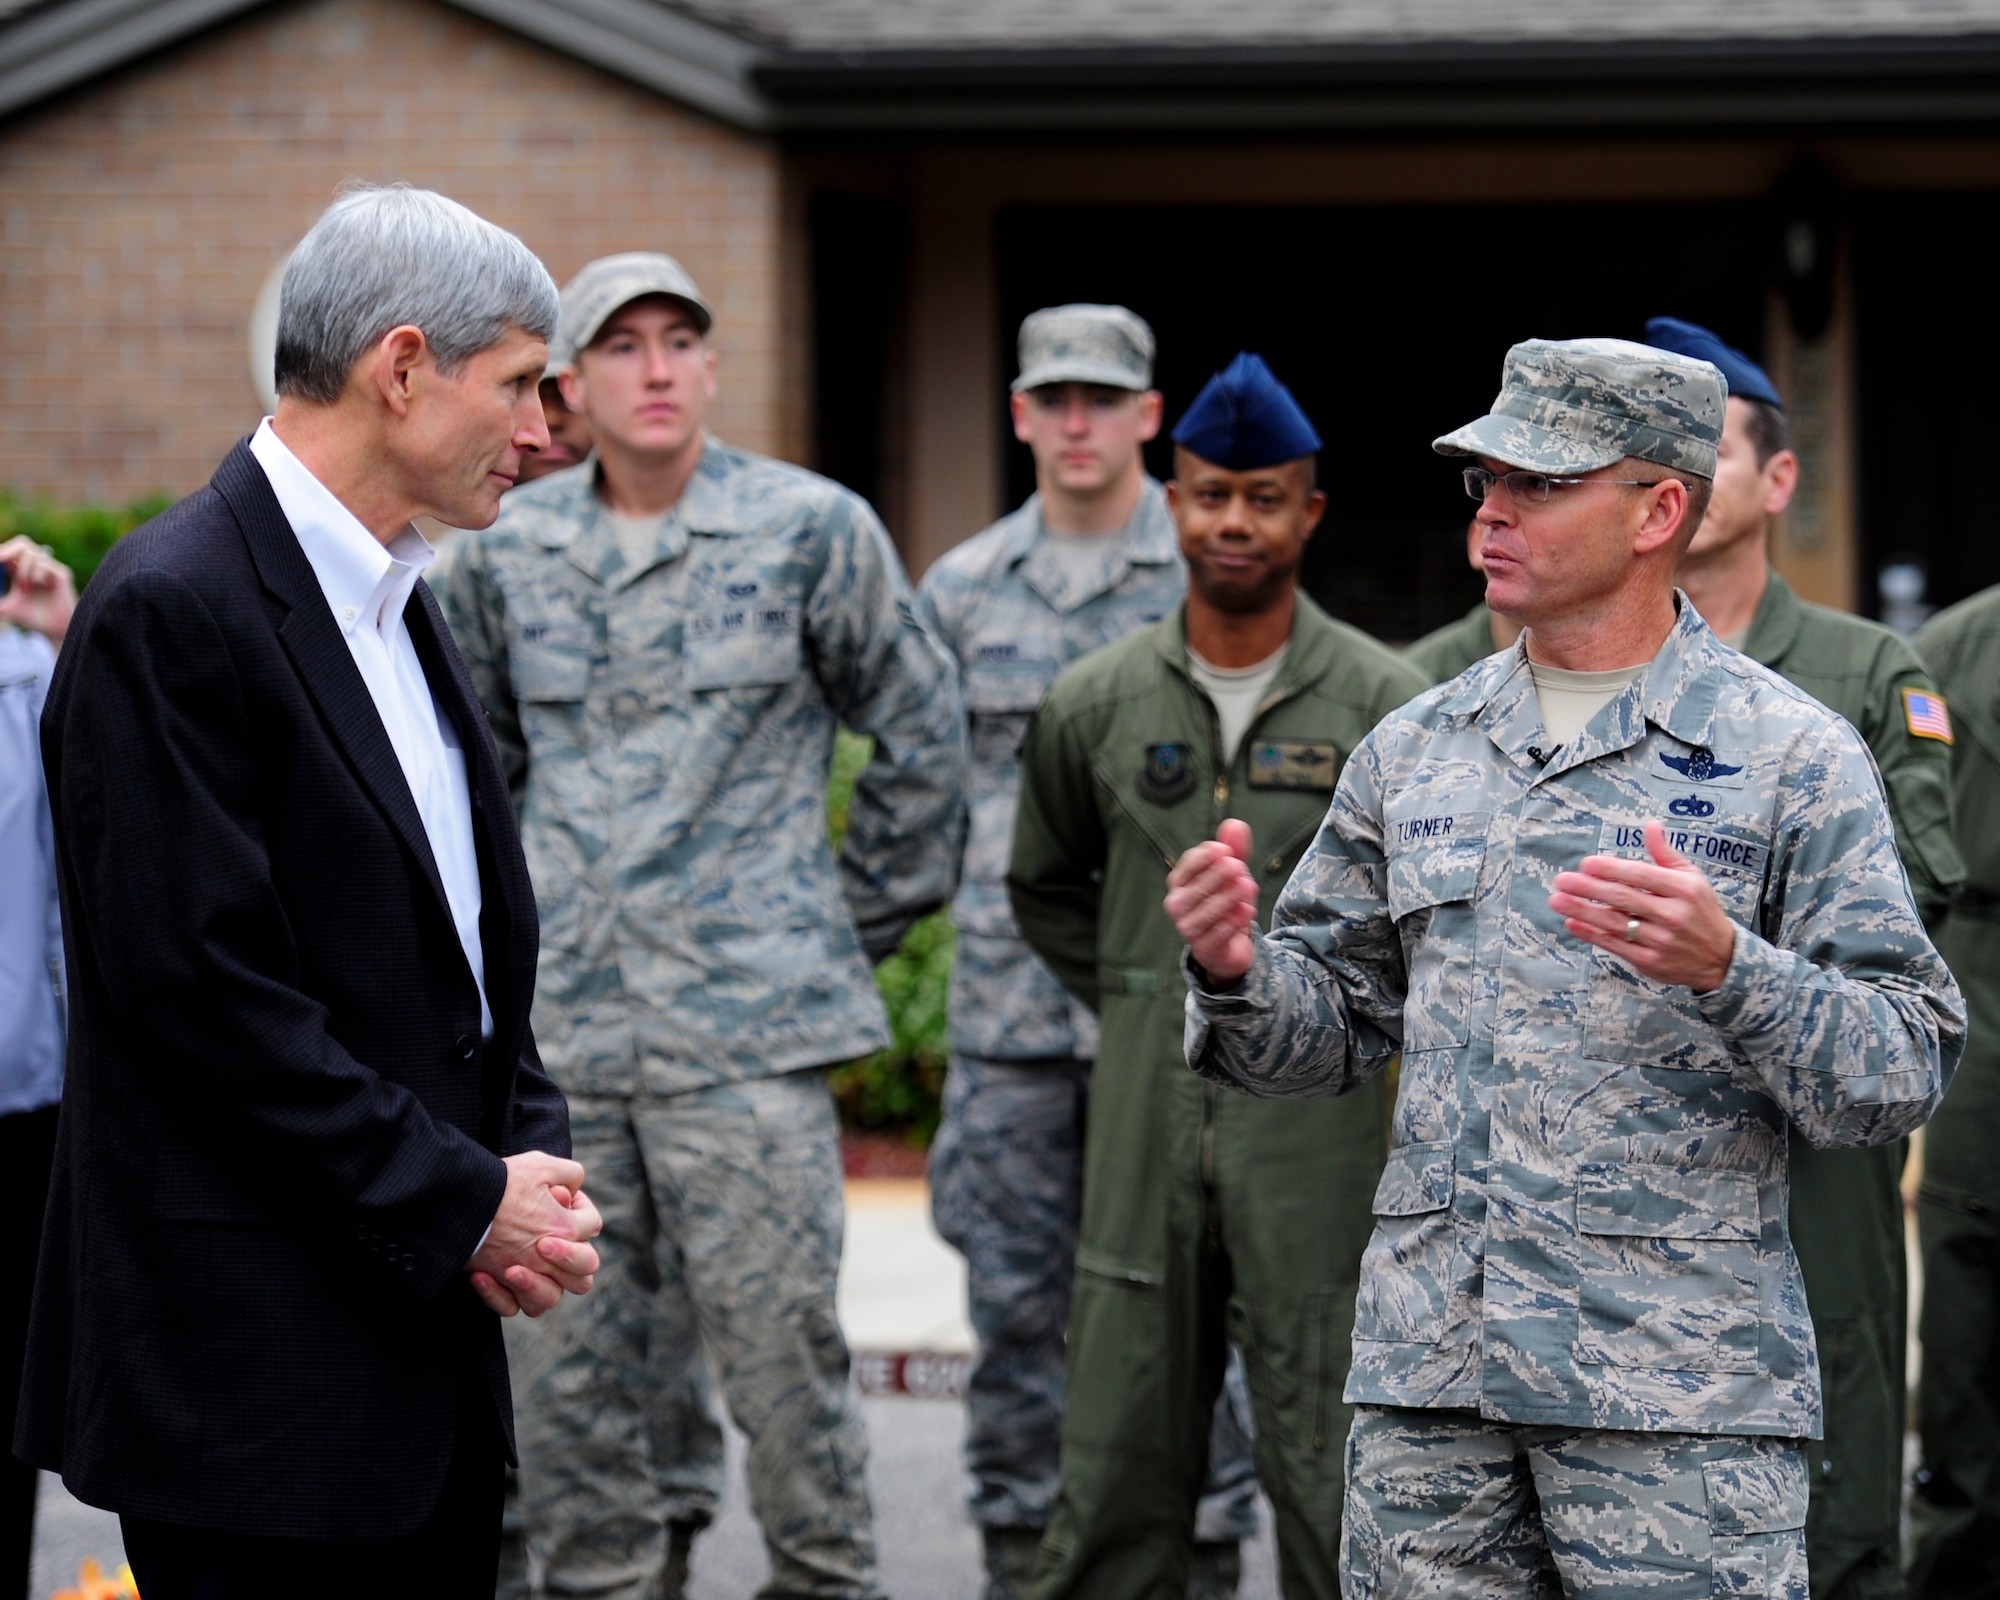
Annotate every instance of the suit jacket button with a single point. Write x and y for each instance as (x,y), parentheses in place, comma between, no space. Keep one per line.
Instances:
(465,1046)
(409,1263)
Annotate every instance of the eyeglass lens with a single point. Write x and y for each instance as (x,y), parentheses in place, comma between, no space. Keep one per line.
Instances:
(1531,487)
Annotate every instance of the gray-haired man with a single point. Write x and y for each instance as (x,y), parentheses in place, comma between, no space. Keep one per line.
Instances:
(1090,557)
(1629,904)
(665,637)
(305,1133)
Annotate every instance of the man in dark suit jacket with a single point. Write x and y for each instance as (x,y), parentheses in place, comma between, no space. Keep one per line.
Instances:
(307,1149)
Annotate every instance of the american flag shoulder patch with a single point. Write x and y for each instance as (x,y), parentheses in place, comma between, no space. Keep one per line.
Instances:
(1926,714)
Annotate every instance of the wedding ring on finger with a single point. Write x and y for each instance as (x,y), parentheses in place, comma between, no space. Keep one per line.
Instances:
(1631,930)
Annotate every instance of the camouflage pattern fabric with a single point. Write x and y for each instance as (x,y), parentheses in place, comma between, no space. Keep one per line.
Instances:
(1084,343)
(1579,404)
(1443,1505)
(1006,1178)
(723,1212)
(1007,613)
(1582,1221)
(667,728)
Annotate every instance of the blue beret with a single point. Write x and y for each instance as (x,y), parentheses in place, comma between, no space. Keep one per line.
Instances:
(1747,380)
(1245,419)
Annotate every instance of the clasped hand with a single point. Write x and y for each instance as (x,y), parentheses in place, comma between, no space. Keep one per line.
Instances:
(539,1246)
(1661,915)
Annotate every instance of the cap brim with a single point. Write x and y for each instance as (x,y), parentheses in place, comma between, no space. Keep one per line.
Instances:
(1526,445)
(1098,372)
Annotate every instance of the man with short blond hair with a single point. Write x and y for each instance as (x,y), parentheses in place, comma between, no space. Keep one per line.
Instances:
(1629,908)
(665,638)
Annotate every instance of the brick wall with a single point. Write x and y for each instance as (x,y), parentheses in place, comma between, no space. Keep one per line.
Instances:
(140,215)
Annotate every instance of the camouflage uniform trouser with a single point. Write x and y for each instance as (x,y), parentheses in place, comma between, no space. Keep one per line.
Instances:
(1446,1504)
(723,1216)
(1006,1178)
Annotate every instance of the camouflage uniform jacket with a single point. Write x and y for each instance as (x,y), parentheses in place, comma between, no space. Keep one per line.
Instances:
(1005,610)
(1583,1218)
(667,730)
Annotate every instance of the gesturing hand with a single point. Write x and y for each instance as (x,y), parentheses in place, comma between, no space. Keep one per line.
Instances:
(1212,898)
(539,1244)
(1661,915)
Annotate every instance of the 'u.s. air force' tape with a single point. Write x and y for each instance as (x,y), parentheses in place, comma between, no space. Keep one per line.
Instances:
(1708,849)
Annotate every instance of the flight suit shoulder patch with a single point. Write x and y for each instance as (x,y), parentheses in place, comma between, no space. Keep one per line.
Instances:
(1168,773)
(1927,715)
(1294,764)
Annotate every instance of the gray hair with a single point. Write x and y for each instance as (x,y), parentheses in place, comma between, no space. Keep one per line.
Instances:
(380,257)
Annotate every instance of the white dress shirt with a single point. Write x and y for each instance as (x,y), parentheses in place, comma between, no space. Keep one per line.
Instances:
(366,586)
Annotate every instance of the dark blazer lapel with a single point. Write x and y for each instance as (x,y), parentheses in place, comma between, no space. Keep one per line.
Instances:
(325,664)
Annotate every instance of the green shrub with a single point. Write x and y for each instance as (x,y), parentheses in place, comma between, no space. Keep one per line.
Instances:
(898,1088)
(80,536)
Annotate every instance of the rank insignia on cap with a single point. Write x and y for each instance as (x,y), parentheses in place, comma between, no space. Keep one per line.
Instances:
(1168,774)
(1294,764)
(1927,715)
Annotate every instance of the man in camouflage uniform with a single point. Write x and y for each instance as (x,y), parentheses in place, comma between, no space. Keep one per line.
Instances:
(1208,1219)
(1583,1360)
(1955,1510)
(1446,652)
(665,637)
(1089,558)
(1846,1205)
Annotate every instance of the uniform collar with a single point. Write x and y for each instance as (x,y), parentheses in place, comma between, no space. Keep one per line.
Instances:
(365,583)
(581,528)
(1775,627)
(1309,658)
(1147,539)
(1677,693)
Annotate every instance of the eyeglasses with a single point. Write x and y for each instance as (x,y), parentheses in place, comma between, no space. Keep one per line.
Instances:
(1532,488)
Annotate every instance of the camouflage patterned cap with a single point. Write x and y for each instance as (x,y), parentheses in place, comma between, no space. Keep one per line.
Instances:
(1085,344)
(1579,404)
(609,282)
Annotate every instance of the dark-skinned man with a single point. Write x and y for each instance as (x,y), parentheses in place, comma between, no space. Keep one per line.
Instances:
(1846,1205)
(1208,1218)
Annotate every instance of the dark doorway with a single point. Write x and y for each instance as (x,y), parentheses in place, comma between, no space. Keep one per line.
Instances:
(859,250)
(1927,352)
(1390,325)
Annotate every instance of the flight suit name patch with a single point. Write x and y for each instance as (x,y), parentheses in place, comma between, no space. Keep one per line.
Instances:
(1168,774)
(1294,764)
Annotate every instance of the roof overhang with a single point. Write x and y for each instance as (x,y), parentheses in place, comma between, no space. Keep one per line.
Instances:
(1457,86)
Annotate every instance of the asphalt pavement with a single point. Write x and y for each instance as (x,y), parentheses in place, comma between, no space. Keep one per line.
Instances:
(902,1303)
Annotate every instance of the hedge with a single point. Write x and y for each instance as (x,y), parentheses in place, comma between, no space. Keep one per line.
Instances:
(898,1088)
(80,536)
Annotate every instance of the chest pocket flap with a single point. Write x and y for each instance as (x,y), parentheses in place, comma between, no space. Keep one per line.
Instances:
(550,661)
(1001,679)
(1434,858)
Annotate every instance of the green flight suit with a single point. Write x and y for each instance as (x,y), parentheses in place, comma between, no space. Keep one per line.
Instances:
(1207,1216)
(1847,1205)
(1955,1511)
(1448,651)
